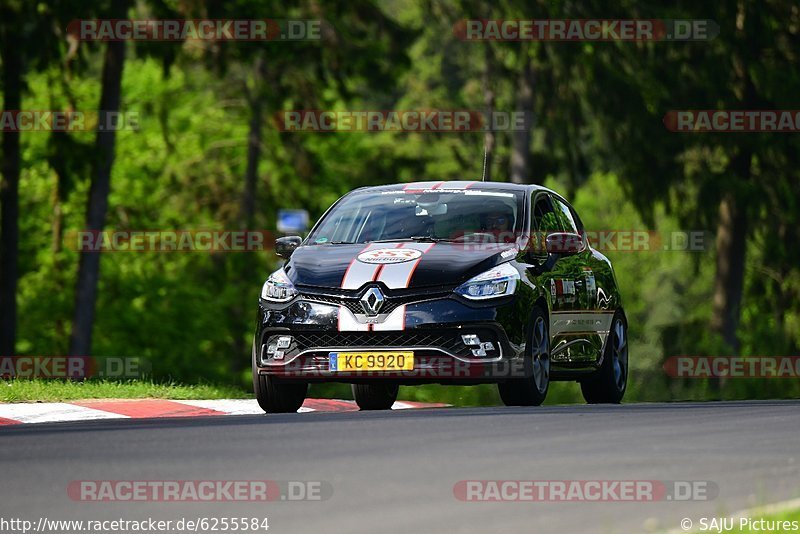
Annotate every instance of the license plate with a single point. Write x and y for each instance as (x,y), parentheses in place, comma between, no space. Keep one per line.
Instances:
(371,361)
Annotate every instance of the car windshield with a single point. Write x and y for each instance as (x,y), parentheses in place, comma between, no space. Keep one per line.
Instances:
(460,215)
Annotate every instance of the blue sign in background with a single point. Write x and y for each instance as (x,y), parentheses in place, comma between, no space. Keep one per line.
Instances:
(292,221)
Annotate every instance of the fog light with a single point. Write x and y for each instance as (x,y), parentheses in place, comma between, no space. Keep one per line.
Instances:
(268,351)
(276,349)
(482,350)
(471,340)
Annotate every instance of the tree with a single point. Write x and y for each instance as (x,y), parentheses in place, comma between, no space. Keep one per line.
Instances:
(97,205)
(11,52)
(706,178)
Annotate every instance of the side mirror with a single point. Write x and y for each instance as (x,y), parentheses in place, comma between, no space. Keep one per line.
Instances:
(564,243)
(284,246)
(556,245)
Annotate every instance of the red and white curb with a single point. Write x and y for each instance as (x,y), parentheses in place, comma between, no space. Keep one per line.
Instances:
(50,412)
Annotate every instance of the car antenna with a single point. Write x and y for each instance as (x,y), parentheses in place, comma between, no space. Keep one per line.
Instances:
(485,157)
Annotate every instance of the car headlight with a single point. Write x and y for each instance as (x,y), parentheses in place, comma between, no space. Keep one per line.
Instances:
(278,287)
(498,281)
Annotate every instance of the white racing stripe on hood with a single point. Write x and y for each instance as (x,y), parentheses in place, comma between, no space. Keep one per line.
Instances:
(393,275)
(398,275)
(357,273)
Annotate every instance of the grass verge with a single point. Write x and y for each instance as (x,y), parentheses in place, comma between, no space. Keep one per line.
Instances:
(39,390)
(783,521)
(65,390)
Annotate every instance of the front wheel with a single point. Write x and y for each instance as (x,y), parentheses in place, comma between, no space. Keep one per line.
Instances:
(531,390)
(607,385)
(274,396)
(375,396)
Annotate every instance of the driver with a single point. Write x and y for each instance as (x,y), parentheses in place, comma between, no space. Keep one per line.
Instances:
(498,221)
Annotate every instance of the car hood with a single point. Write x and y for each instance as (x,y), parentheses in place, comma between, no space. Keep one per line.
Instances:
(396,265)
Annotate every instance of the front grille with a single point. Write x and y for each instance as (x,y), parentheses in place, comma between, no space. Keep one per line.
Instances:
(354,305)
(448,341)
(391,303)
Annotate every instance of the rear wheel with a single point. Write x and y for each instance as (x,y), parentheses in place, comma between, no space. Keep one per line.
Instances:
(375,396)
(531,390)
(277,397)
(608,384)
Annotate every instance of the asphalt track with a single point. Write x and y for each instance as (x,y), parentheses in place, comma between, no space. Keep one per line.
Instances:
(395,471)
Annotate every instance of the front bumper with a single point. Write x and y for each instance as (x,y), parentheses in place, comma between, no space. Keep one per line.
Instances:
(432,327)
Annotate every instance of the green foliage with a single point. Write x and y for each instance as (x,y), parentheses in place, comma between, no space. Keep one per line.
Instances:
(64,390)
(597,137)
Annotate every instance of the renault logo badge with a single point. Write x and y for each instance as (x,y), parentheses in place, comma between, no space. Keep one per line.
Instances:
(372,301)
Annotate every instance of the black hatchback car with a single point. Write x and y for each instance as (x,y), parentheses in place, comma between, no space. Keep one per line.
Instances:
(441,282)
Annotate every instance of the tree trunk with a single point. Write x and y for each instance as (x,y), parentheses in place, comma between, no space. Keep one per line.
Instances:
(248,207)
(731,243)
(9,188)
(521,139)
(97,206)
(58,162)
(241,311)
(488,99)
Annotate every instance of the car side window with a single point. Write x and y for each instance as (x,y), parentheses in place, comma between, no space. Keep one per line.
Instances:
(577,219)
(545,218)
(566,220)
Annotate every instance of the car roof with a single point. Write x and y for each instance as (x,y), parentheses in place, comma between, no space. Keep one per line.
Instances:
(456,185)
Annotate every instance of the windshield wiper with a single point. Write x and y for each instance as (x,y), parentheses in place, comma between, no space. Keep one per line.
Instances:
(423,238)
(430,238)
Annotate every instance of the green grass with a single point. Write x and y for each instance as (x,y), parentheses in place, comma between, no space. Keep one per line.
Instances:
(775,521)
(63,390)
(791,516)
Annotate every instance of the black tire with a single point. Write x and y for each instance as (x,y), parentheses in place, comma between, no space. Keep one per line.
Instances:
(277,397)
(375,396)
(531,390)
(608,384)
